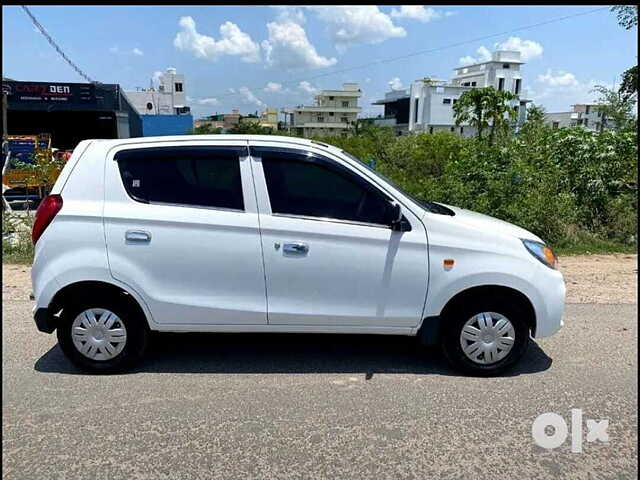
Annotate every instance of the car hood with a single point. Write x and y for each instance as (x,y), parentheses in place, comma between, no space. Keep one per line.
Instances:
(487,223)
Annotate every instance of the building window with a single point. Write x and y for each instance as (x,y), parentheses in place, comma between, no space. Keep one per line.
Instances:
(331,114)
(473,84)
(586,121)
(587,108)
(455,100)
(517,88)
(453,129)
(344,119)
(178,87)
(345,104)
(461,130)
(506,65)
(320,119)
(330,98)
(466,84)
(555,125)
(149,106)
(501,84)
(446,101)
(415,120)
(430,129)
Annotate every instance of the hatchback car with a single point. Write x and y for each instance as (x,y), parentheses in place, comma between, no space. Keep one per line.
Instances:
(246,233)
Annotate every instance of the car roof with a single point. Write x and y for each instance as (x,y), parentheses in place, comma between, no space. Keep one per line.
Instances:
(225,137)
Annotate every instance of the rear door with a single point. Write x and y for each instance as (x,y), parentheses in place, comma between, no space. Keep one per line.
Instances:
(182,229)
(330,259)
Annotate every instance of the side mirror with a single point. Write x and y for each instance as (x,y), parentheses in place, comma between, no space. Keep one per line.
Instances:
(395,219)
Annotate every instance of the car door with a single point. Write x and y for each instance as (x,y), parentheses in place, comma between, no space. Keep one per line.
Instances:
(182,229)
(329,258)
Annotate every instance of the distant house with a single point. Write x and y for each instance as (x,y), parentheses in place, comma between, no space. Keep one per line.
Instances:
(585,115)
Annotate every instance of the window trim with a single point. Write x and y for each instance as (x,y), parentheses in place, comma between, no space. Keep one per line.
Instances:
(308,156)
(137,199)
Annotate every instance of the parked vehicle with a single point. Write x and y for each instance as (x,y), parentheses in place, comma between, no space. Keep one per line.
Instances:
(247,233)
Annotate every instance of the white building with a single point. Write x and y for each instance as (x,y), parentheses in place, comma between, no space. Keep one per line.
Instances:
(170,98)
(431,101)
(334,113)
(584,115)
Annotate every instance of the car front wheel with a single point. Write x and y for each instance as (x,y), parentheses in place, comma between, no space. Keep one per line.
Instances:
(485,339)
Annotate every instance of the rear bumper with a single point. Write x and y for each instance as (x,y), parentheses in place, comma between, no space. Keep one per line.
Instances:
(44,320)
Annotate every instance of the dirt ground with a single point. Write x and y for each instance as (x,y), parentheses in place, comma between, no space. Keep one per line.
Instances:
(589,278)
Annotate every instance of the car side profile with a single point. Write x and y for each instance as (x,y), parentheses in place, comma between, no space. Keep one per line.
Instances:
(249,233)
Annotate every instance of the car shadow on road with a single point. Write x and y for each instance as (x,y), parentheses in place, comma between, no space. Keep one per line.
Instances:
(292,353)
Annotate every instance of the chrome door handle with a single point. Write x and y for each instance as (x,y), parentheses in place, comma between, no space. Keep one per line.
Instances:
(138,236)
(296,247)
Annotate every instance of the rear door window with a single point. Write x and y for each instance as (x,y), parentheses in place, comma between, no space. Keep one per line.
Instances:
(201,176)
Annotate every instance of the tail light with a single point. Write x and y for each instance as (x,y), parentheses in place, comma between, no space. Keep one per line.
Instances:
(47,210)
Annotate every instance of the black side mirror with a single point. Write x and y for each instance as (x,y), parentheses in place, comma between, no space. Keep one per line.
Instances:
(395,219)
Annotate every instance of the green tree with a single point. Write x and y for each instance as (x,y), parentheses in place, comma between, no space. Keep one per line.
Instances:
(485,108)
(629,85)
(471,108)
(251,128)
(627,15)
(615,106)
(205,129)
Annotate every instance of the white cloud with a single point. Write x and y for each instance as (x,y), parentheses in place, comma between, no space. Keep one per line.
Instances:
(395,84)
(249,97)
(528,48)
(233,42)
(557,91)
(484,55)
(231,90)
(367,80)
(307,87)
(561,79)
(416,12)
(155,78)
(288,47)
(353,25)
(114,49)
(137,51)
(288,13)
(208,101)
(273,87)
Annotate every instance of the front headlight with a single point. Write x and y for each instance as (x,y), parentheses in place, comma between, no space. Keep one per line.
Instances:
(541,252)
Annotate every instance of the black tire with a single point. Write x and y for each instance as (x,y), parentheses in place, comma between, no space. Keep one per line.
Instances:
(136,328)
(454,320)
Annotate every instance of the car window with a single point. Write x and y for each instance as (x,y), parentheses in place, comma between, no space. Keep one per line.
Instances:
(310,185)
(198,175)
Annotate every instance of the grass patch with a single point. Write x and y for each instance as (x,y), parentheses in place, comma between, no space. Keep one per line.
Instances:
(22,253)
(595,246)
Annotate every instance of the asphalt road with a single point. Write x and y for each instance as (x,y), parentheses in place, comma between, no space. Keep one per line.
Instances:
(279,406)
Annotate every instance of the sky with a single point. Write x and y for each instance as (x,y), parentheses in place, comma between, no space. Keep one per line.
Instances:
(253,57)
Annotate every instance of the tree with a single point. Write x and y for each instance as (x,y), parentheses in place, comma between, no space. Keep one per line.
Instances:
(471,108)
(615,106)
(627,15)
(629,86)
(205,129)
(251,128)
(483,108)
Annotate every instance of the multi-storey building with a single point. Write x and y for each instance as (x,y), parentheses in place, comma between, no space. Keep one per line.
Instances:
(430,101)
(586,115)
(334,113)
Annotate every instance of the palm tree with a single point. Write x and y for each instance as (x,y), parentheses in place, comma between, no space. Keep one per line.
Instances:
(499,110)
(481,105)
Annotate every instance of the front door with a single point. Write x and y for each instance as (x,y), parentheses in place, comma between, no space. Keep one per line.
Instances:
(182,229)
(329,258)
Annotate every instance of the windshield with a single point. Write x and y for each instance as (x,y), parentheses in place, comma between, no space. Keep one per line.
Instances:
(431,206)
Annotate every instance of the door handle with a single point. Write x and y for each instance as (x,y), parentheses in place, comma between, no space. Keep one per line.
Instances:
(296,248)
(137,236)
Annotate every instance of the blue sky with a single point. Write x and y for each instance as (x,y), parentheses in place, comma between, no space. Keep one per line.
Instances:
(249,57)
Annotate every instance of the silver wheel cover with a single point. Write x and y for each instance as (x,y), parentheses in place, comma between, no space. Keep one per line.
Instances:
(98,334)
(487,338)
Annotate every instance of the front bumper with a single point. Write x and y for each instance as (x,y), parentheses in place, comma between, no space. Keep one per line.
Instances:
(45,321)
(550,309)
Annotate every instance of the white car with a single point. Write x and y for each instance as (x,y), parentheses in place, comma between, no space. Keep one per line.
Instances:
(248,233)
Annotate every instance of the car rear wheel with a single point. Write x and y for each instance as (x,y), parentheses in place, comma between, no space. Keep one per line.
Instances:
(486,338)
(102,335)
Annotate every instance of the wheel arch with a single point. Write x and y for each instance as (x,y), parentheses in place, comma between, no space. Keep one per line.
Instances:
(95,288)
(432,327)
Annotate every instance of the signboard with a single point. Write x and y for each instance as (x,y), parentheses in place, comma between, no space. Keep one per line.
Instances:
(50,93)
